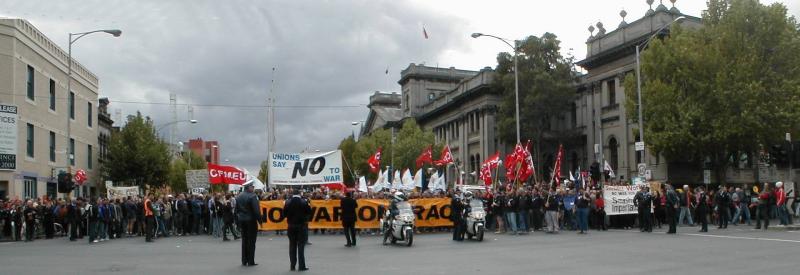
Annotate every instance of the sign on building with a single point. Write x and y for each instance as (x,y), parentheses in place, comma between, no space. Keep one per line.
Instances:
(707,176)
(8,137)
(305,168)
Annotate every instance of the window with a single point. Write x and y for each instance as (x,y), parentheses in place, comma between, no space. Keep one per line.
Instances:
(29,191)
(71,151)
(89,157)
(431,96)
(89,111)
(612,92)
(613,147)
(52,146)
(52,95)
(29,141)
(31,95)
(71,105)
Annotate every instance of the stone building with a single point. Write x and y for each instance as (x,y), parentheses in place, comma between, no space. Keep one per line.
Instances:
(33,77)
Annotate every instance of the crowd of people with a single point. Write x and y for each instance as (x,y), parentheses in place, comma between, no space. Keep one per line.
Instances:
(509,209)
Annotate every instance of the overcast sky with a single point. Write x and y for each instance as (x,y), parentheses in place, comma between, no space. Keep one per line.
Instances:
(329,55)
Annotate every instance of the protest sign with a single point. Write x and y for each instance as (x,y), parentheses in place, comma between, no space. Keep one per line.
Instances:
(120,192)
(196,179)
(305,168)
(619,199)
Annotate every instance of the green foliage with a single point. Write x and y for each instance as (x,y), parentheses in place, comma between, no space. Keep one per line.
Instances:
(348,145)
(546,88)
(136,155)
(262,172)
(410,141)
(177,172)
(733,85)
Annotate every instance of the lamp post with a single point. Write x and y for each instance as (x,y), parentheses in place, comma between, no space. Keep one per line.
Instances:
(516,77)
(639,81)
(162,126)
(73,37)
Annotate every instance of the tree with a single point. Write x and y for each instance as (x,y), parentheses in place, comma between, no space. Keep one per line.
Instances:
(731,86)
(178,167)
(348,145)
(262,172)
(546,90)
(136,155)
(409,143)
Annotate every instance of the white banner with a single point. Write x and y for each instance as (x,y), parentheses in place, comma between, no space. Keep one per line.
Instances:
(8,137)
(305,168)
(196,179)
(120,192)
(619,199)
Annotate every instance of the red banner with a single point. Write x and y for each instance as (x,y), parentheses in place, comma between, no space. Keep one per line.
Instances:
(220,174)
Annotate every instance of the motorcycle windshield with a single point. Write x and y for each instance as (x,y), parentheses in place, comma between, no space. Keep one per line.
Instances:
(404,208)
(476,206)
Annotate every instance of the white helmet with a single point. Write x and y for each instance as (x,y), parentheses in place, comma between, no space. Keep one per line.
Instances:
(399,196)
(779,184)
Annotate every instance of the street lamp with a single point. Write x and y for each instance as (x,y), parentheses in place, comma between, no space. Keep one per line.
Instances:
(115,33)
(516,77)
(639,81)
(191,121)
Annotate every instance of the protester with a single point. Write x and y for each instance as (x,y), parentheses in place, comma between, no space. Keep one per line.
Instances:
(765,199)
(686,206)
(297,212)
(247,210)
(349,206)
(551,206)
(702,209)
(672,206)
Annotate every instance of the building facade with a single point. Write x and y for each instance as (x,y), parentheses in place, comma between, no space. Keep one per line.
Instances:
(33,77)
(208,150)
(104,129)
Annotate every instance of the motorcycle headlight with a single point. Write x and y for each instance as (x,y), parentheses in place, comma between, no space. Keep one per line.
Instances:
(480,215)
(408,218)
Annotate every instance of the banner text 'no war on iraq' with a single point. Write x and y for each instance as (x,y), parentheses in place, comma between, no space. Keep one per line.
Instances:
(328,215)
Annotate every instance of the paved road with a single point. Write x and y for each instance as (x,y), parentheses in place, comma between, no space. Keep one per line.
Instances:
(733,251)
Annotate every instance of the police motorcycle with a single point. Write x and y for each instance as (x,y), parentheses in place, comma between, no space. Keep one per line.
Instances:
(398,223)
(475,217)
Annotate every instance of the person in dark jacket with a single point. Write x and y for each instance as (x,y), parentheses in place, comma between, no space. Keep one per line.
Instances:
(723,207)
(497,206)
(349,206)
(29,214)
(523,211)
(702,209)
(227,219)
(457,215)
(511,211)
(247,209)
(537,203)
(673,202)
(297,212)
(48,219)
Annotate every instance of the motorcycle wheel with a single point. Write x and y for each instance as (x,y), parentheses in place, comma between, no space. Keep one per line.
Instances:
(393,239)
(409,236)
(479,234)
(469,236)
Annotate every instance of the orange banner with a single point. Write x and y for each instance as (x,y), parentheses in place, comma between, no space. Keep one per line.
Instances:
(327,213)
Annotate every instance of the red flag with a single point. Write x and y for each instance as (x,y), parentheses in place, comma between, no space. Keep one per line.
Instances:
(493,161)
(374,161)
(526,170)
(424,32)
(557,166)
(220,174)
(511,169)
(446,157)
(486,174)
(80,177)
(425,157)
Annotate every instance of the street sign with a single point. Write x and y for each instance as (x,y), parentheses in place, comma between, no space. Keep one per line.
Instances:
(8,137)
(639,146)
(641,167)
(707,176)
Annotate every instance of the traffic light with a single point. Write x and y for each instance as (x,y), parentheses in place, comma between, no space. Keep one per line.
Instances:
(779,154)
(65,184)
(594,170)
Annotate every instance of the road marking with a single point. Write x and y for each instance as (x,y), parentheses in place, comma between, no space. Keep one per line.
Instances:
(743,238)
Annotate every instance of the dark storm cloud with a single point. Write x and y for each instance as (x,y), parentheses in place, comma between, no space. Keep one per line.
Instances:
(328,53)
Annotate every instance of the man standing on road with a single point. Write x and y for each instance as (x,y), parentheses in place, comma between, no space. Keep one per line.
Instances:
(702,209)
(672,206)
(249,218)
(686,206)
(150,218)
(349,206)
(723,207)
(297,211)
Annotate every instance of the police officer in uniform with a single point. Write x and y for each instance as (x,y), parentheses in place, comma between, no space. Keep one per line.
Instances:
(297,212)
(702,209)
(672,207)
(456,216)
(247,210)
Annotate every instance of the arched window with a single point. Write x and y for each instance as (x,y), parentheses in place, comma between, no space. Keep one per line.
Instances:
(613,153)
